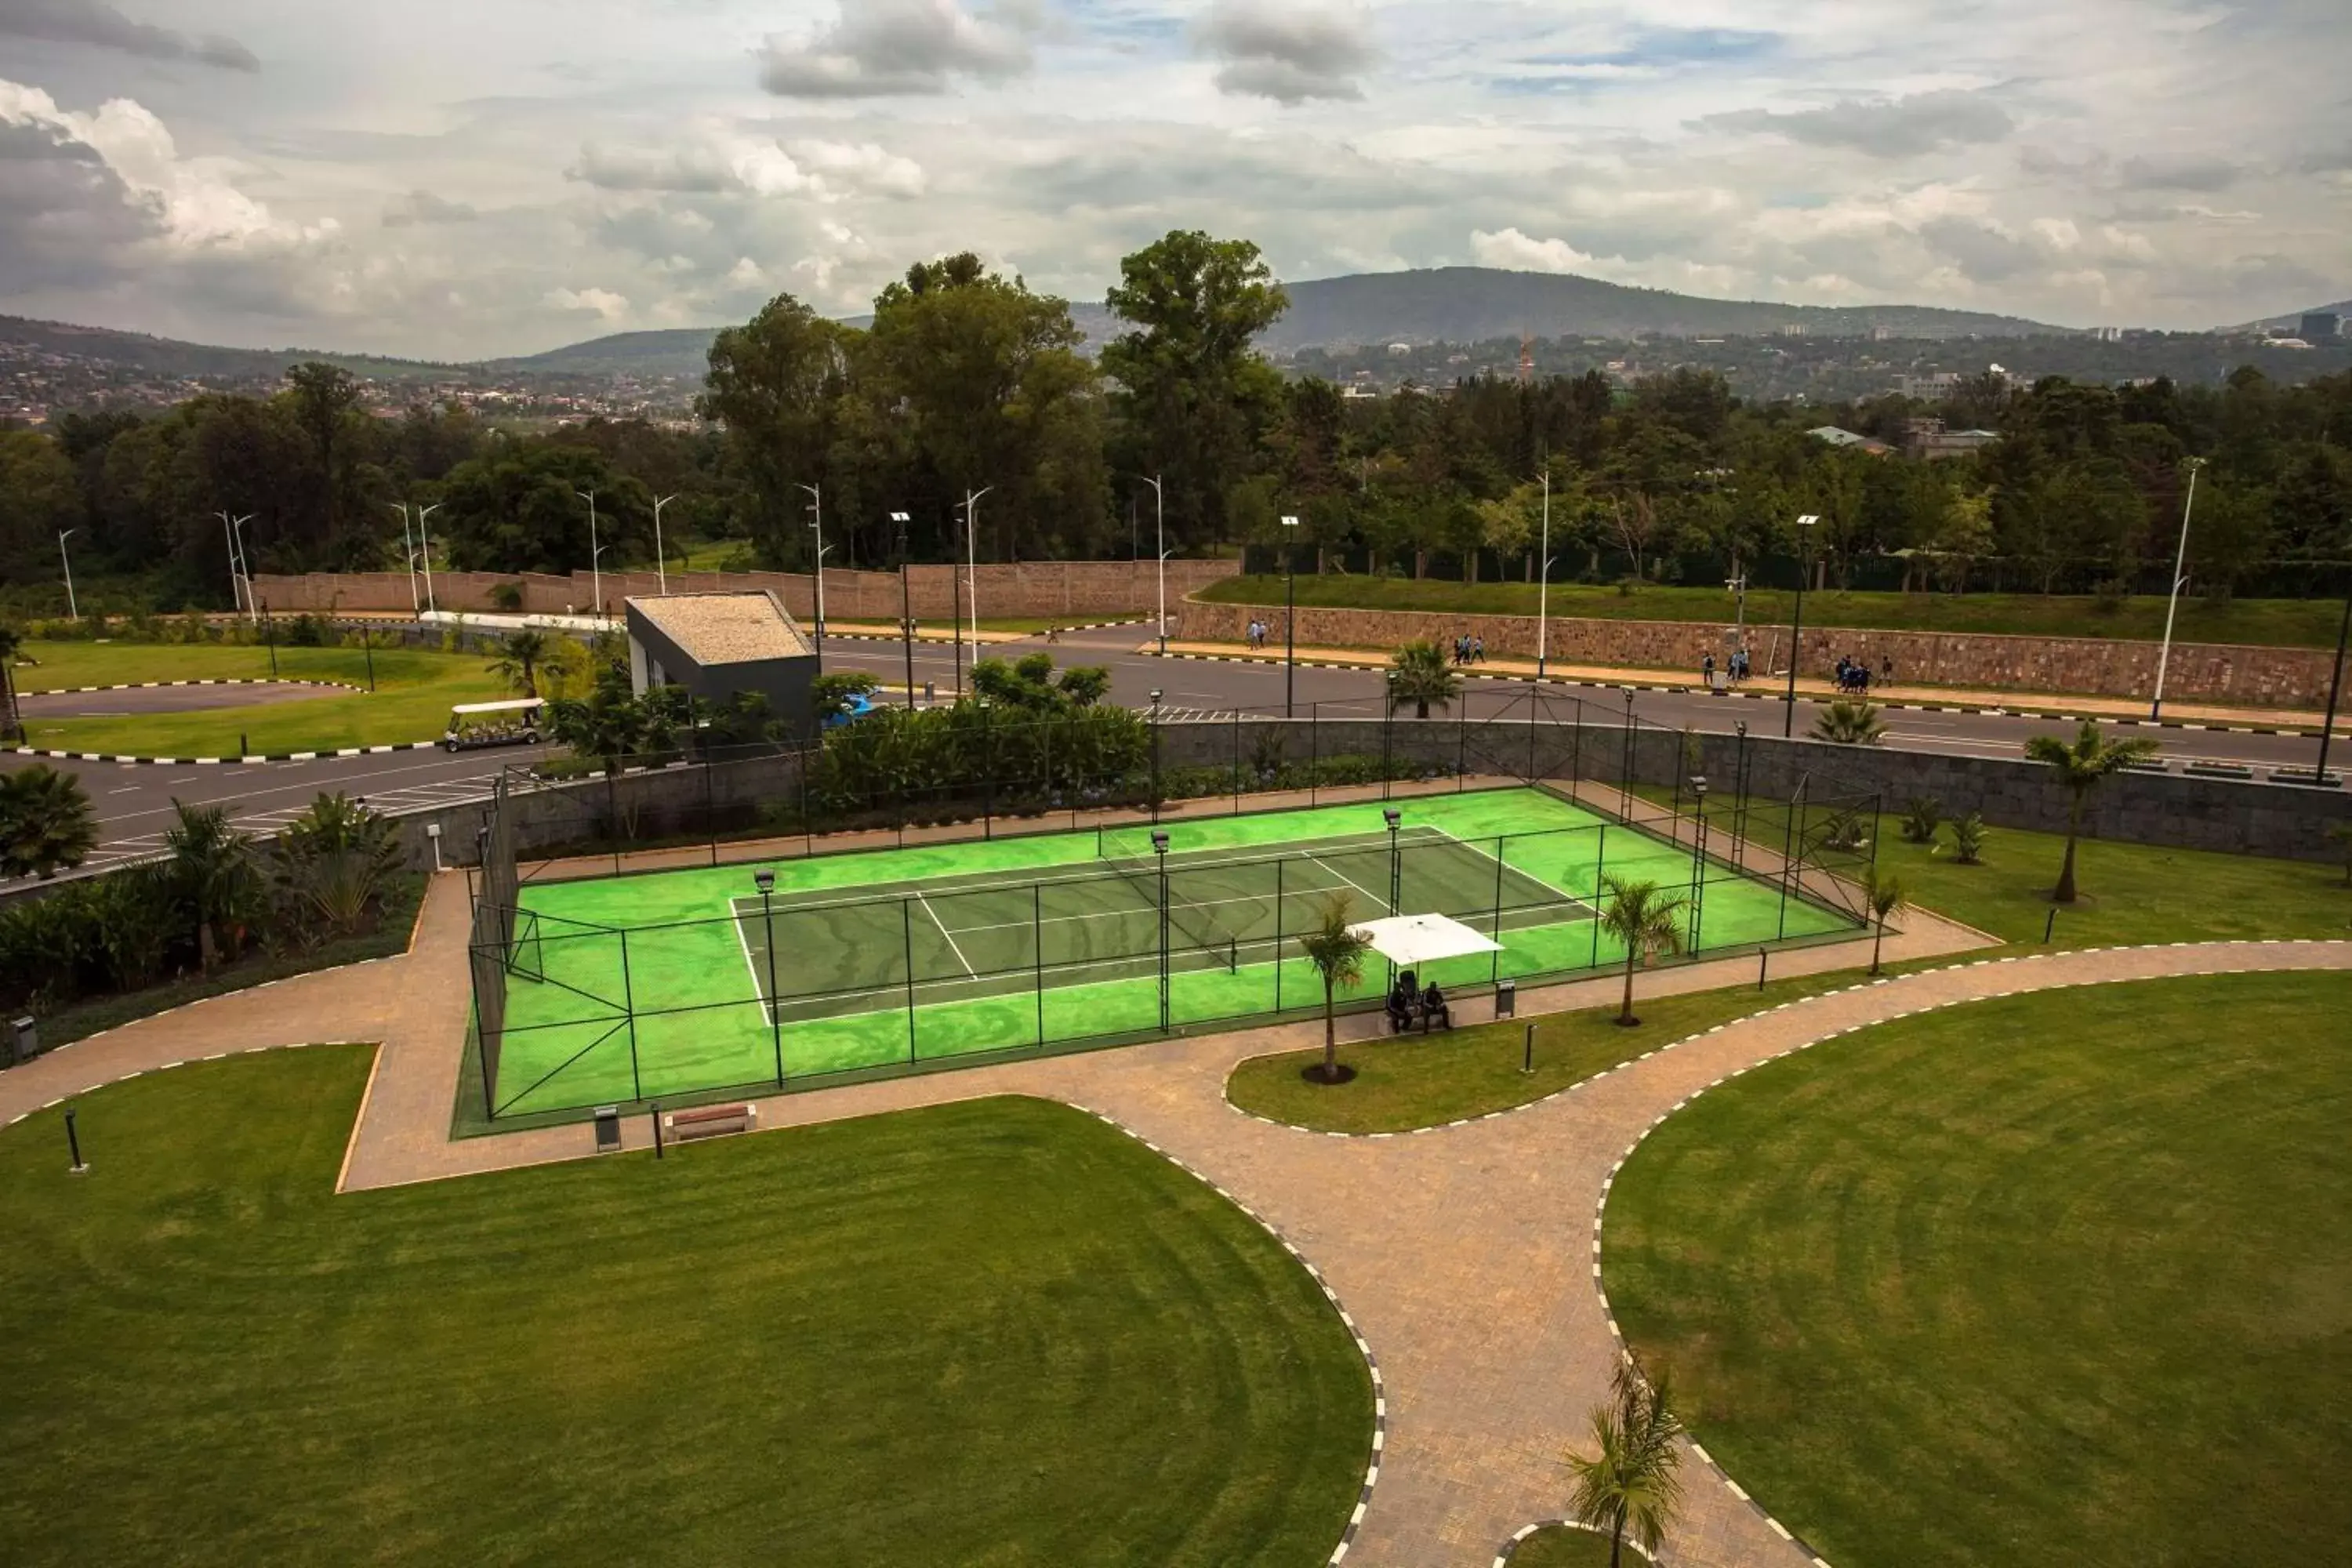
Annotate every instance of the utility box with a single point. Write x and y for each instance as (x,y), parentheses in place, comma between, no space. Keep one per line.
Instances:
(1506,998)
(608,1129)
(23,1041)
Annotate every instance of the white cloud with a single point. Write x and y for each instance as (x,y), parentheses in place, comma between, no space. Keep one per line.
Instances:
(1289,52)
(1516,252)
(601,303)
(885,48)
(1883,128)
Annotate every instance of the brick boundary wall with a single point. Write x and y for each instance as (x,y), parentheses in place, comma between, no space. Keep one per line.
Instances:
(2094,666)
(1039,588)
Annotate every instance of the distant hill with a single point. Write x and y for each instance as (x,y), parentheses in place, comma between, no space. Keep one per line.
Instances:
(1449,304)
(1469,304)
(2342,308)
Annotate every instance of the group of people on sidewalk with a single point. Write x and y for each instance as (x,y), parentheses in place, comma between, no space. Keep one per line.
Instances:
(1468,650)
(1735,667)
(1255,637)
(1853,674)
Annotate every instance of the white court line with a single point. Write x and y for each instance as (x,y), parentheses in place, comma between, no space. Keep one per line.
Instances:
(767,1011)
(926,903)
(1376,898)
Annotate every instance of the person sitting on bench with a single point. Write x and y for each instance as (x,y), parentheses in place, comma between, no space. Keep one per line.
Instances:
(1400,999)
(1433,1009)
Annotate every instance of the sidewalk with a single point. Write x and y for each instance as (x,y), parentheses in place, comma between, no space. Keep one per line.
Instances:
(1940,699)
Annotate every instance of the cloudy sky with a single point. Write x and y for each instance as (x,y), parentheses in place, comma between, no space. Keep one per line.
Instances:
(459,178)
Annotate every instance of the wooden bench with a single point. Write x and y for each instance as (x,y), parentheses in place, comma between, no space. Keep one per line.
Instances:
(709,1121)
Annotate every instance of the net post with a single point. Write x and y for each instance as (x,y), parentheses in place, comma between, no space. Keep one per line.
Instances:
(1495,970)
(629,1005)
(907,933)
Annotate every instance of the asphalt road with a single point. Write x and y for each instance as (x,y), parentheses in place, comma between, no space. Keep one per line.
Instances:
(1197,689)
(134,801)
(128,701)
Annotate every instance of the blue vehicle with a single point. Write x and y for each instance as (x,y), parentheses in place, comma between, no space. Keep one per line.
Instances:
(860,705)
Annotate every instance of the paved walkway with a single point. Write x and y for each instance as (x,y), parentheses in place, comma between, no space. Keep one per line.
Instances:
(1465,1254)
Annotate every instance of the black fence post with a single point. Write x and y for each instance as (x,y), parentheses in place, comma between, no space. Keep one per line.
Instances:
(1495,970)
(1600,864)
(711,808)
(1037,952)
(629,1005)
(1278,865)
(906,930)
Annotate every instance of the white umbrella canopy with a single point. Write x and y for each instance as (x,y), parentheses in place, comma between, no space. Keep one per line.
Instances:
(1410,940)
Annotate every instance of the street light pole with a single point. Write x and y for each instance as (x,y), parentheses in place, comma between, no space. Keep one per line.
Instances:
(595,577)
(1797,626)
(661,563)
(906,606)
(765,881)
(424,554)
(1159,543)
(1290,621)
(408,552)
(971,557)
(1543,580)
(2172,605)
(2335,690)
(236,533)
(229,533)
(1155,754)
(73,610)
(816,506)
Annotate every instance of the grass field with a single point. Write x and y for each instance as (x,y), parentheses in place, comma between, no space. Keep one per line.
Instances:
(2282,623)
(1038,940)
(414,691)
(996,1332)
(2139,893)
(1558,1546)
(2065,1276)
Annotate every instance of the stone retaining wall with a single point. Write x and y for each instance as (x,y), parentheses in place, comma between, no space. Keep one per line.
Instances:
(1077,590)
(2099,667)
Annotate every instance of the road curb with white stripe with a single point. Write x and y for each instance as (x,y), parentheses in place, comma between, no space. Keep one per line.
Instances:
(220,680)
(223,761)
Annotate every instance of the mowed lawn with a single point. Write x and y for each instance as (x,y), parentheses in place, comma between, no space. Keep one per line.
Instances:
(996,1332)
(2064,1276)
(415,691)
(1563,1546)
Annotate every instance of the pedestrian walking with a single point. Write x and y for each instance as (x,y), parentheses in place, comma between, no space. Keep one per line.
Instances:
(1477,650)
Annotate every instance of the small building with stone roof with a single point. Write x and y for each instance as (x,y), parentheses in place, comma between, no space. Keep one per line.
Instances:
(716,645)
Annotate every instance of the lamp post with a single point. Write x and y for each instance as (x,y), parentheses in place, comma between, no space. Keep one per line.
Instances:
(2172,605)
(2335,689)
(1395,820)
(236,533)
(229,534)
(1155,754)
(971,557)
(73,610)
(1159,543)
(1796,629)
(1159,851)
(906,606)
(424,554)
(1543,580)
(765,880)
(817,509)
(661,563)
(595,576)
(1290,621)
(1736,583)
(408,552)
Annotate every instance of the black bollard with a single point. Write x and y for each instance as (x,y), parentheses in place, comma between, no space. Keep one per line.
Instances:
(73,1143)
(1527,1064)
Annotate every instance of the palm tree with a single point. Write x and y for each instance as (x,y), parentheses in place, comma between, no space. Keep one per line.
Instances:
(1849,725)
(519,656)
(1647,920)
(1419,674)
(1633,1482)
(1886,900)
(2080,766)
(212,865)
(46,822)
(1336,950)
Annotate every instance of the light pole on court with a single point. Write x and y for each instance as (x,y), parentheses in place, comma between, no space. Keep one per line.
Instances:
(765,880)
(1289,621)
(1797,630)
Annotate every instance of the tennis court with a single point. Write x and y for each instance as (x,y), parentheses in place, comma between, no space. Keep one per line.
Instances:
(663,984)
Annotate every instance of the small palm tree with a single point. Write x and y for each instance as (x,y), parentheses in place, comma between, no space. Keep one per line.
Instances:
(2080,766)
(1969,835)
(1849,725)
(519,657)
(1887,900)
(1634,1481)
(212,863)
(1647,920)
(1336,950)
(1419,674)
(47,824)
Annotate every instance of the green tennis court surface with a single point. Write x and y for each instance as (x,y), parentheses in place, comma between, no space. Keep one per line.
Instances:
(663,984)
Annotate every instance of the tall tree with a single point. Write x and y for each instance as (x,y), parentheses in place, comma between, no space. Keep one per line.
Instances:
(772,385)
(1631,1480)
(1194,392)
(2081,765)
(321,396)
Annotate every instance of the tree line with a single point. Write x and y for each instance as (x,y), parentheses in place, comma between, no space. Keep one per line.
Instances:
(969,398)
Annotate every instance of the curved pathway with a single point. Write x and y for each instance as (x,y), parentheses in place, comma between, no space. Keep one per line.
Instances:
(1466,1254)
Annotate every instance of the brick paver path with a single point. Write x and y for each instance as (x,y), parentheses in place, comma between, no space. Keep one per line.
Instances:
(1466,1254)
